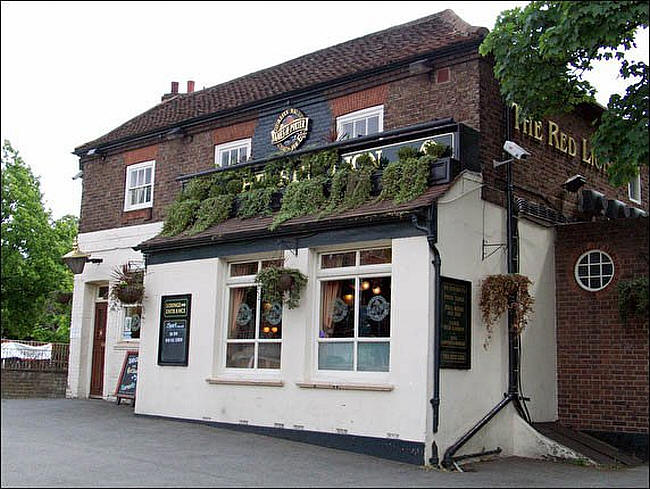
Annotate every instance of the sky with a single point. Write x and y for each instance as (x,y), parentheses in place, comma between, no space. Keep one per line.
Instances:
(73,71)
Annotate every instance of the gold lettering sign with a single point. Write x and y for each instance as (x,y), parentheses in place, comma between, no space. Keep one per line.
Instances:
(290,130)
(558,139)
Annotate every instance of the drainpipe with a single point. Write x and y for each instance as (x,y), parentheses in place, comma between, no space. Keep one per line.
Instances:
(432,238)
(513,395)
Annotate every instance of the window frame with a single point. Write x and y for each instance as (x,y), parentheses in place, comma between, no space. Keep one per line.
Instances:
(128,189)
(244,281)
(356,272)
(358,115)
(123,319)
(577,264)
(637,186)
(219,149)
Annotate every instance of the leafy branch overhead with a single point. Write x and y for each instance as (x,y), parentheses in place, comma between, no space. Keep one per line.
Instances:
(541,53)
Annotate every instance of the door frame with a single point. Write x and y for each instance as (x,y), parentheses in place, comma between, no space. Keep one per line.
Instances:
(104,303)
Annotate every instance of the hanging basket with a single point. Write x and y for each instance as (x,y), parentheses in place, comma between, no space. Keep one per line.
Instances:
(129,294)
(129,285)
(281,284)
(285,282)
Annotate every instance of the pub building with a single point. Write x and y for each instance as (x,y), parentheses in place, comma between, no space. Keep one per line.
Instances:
(386,351)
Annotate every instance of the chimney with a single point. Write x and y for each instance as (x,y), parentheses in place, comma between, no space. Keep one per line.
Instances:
(190,86)
(173,93)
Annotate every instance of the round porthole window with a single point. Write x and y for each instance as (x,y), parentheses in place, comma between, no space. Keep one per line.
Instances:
(594,270)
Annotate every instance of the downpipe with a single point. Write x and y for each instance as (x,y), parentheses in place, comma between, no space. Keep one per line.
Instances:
(431,231)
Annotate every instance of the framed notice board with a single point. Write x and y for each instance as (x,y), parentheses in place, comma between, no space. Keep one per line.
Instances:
(455,341)
(128,379)
(174,336)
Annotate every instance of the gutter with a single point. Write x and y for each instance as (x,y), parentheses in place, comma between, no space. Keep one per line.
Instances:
(195,121)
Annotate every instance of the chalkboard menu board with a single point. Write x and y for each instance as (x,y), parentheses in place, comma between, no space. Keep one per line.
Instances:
(128,379)
(455,345)
(173,344)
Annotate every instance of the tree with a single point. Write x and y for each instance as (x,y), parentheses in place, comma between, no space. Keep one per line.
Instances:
(541,53)
(33,275)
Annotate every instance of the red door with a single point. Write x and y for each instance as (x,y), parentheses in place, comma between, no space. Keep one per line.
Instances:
(99,345)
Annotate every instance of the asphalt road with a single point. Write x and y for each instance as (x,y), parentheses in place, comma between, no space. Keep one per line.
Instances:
(68,443)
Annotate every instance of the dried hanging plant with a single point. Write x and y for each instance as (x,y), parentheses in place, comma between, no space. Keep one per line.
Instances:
(128,287)
(500,293)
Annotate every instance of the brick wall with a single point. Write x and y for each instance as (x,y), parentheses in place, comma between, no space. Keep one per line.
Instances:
(17,384)
(602,363)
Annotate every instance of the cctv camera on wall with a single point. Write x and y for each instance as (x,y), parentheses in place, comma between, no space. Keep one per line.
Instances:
(515,150)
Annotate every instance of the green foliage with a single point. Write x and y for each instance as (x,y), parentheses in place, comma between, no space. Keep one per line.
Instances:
(408,178)
(633,298)
(274,281)
(255,202)
(390,181)
(32,245)
(541,53)
(212,210)
(300,198)
(180,215)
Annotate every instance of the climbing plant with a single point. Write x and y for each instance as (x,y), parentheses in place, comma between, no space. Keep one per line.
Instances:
(633,298)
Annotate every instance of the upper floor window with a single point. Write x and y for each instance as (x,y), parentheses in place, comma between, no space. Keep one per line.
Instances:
(139,186)
(354,319)
(634,189)
(233,152)
(360,123)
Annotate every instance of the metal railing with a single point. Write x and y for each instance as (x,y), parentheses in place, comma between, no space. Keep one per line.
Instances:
(34,355)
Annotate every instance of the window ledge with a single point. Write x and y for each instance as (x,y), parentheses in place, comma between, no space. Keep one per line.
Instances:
(255,382)
(127,345)
(346,386)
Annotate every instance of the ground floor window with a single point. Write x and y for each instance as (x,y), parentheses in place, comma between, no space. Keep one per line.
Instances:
(131,325)
(354,318)
(254,325)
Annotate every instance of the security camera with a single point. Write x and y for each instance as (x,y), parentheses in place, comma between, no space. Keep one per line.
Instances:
(515,150)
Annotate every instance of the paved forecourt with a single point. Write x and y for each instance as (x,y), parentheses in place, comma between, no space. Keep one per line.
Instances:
(62,442)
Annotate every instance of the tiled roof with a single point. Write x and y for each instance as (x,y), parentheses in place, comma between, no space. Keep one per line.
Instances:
(369,52)
(237,228)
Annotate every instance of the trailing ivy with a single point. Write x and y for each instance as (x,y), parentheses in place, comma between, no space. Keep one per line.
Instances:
(300,198)
(281,284)
(180,215)
(212,210)
(633,298)
(256,202)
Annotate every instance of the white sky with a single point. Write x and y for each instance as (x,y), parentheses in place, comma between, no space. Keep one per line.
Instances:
(73,71)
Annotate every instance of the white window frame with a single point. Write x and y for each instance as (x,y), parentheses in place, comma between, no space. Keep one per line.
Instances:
(577,277)
(635,184)
(352,272)
(127,189)
(241,282)
(358,115)
(219,149)
(123,319)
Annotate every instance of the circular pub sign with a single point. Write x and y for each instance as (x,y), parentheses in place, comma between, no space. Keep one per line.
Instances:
(290,130)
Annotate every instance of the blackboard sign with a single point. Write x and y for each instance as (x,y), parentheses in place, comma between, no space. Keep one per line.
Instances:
(173,343)
(128,379)
(455,345)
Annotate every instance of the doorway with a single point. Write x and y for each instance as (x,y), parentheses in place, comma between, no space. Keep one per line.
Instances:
(99,347)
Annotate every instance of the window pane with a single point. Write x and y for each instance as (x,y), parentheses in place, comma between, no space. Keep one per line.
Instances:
(583,270)
(240,269)
(140,177)
(147,176)
(273,263)
(347,130)
(335,356)
(373,124)
(140,196)
(242,154)
(234,155)
(337,309)
(133,197)
(271,320)
(131,328)
(594,257)
(240,355)
(224,158)
(336,260)
(147,191)
(373,357)
(607,269)
(268,355)
(102,293)
(360,128)
(243,309)
(594,270)
(374,307)
(134,177)
(374,257)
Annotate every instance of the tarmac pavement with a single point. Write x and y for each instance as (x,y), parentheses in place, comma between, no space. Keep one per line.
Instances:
(93,443)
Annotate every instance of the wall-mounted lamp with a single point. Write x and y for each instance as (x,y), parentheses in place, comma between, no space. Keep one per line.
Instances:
(76,259)
(574,183)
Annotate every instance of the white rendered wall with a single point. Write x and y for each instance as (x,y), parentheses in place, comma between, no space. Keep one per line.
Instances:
(183,391)
(114,247)
(467,395)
